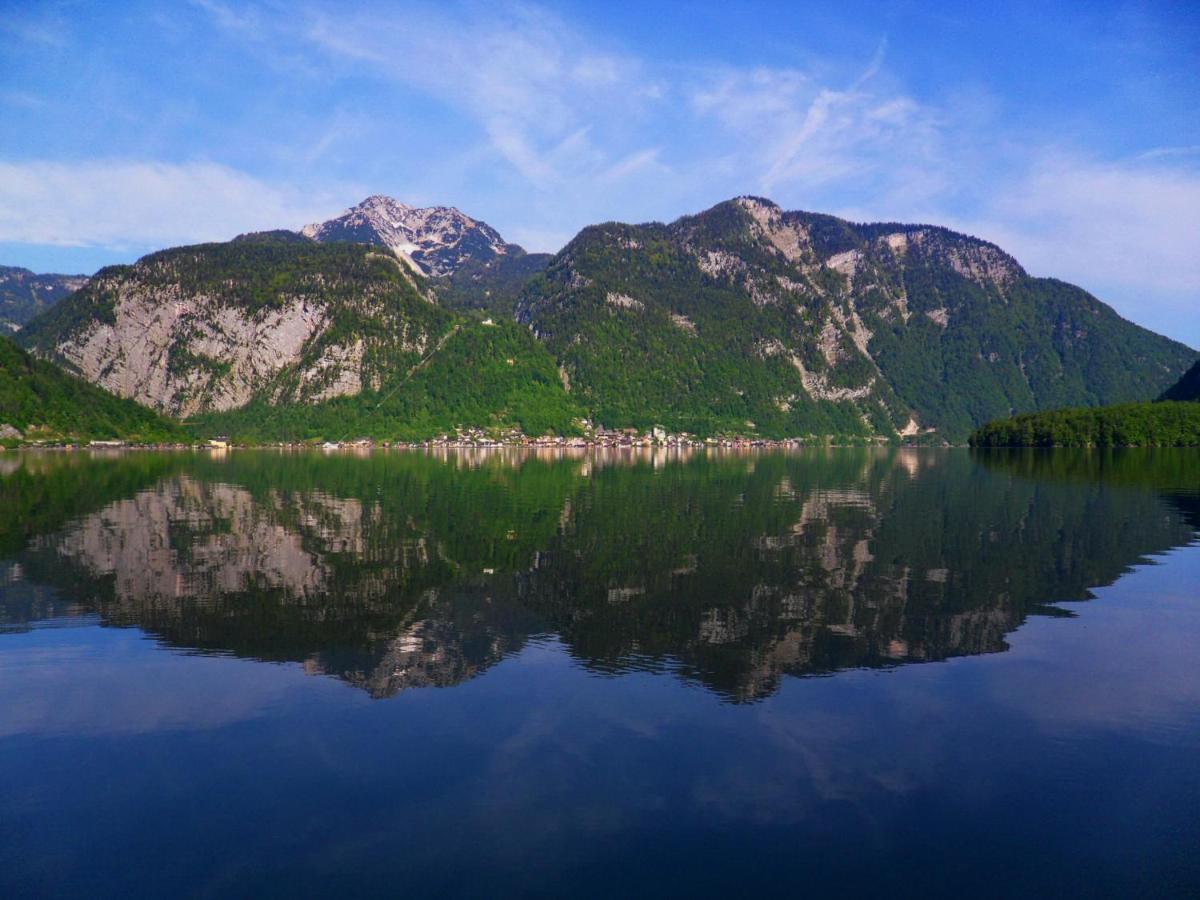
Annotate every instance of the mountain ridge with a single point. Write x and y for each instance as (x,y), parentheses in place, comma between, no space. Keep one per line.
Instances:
(24,294)
(772,315)
(743,318)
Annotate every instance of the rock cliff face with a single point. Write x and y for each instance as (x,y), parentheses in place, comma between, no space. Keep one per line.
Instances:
(215,326)
(804,323)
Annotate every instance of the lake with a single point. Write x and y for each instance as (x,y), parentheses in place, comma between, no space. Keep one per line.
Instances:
(635,673)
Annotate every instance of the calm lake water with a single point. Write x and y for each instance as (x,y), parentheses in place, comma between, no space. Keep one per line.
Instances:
(825,672)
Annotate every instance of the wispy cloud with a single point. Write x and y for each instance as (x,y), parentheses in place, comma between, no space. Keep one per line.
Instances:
(796,134)
(36,28)
(1168,152)
(21,99)
(243,19)
(545,97)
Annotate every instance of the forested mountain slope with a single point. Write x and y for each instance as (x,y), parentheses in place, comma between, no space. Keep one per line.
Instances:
(746,317)
(39,401)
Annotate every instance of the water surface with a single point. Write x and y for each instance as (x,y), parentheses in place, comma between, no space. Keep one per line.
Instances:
(851,671)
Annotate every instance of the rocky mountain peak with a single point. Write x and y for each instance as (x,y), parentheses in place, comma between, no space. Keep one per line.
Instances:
(754,204)
(437,240)
(770,224)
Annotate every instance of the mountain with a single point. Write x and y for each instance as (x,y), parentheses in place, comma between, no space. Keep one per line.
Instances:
(493,286)
(24,294)
(437,239)
(276,336)
(215,326)
(1187,387)
(748,318)
(469,264)
(39,401)
(742,319)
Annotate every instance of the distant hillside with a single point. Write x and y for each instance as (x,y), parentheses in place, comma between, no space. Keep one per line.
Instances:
(25,294)
(1187,387)
(39,401)
(749,318)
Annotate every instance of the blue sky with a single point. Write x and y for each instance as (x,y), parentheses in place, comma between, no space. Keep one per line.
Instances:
(1069,134)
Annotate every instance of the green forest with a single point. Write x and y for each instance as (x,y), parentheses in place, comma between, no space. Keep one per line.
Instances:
(43,402)
(1167,423)
(492,376)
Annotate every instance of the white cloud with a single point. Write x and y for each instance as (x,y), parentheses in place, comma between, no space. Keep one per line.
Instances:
(1131,224)
(1124,230)
(121,203)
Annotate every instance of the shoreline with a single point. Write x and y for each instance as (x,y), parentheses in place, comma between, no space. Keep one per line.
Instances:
(567,444)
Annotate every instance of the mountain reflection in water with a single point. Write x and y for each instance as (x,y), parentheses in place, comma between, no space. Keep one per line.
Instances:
(401,570)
